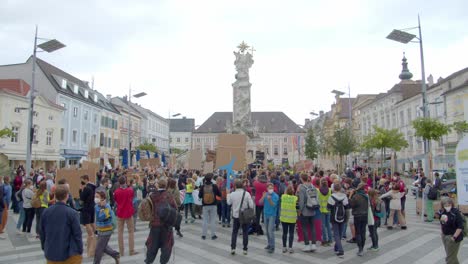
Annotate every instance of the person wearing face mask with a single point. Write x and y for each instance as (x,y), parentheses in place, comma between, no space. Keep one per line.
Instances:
(451,222)
(137,187)
(104,227)
(87,191)
(270,206)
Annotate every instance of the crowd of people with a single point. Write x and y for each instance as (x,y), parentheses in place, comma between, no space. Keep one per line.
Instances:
(317,207)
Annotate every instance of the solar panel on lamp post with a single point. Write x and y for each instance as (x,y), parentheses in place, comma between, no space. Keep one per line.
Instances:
(138,95)
(48,46)
(404,37)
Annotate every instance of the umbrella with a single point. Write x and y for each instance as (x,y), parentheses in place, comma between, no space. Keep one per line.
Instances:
(125,158)
(138,155)
(148,154)
(163,158)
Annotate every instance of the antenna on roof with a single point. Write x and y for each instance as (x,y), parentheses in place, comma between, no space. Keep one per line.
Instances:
(92,82)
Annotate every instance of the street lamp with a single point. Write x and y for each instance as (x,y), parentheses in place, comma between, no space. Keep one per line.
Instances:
(169,121)
(49,46)
(404,37)
(138,95)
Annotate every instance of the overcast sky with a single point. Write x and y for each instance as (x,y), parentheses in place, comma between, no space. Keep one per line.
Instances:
(180,52)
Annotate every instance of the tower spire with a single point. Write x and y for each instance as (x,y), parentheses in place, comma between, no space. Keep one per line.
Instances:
(405,73)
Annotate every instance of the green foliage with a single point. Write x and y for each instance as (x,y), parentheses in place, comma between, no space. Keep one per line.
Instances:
(342,142)
(176,151)
(460,127)
(383,139)
(429,128)
(148,146)
(6,132)
(311,147)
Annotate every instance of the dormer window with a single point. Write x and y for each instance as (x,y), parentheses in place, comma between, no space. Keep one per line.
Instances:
(75,88)
(95,98)
(64,84)
(86,94)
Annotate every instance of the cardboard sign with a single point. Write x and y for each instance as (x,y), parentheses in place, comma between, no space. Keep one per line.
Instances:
(210,155)
(153,162)
(303,165)
(73,178)
(94,153)
(232,146)
(195,160)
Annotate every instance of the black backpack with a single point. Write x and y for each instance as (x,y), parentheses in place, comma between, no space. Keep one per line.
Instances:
(339,211)
(169,216)
(432,194)
(151,188)
(2,193)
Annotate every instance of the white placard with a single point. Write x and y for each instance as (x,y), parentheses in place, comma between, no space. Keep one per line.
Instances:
(461,160)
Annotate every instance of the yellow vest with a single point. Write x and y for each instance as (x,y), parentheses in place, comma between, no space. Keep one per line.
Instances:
(288,209)
(189,188)
(323,201)
(44,205)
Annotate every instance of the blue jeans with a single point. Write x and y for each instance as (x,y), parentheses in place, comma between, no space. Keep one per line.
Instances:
(326,230)
(338,231)
(225,212)
(270,230)
(22,216)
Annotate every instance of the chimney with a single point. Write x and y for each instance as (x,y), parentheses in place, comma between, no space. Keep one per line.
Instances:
(321,113)
(307,120)
(125,98)
(109,96)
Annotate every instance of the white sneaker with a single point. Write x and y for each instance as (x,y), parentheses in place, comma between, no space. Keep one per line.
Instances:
(2,236)
(313,248)
(306,248)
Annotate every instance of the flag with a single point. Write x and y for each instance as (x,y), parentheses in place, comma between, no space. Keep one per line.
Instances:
(138,155)
(125,158)
(156,155)
(148,154)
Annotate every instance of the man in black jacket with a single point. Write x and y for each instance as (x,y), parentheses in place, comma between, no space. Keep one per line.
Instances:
(208,193)
(359,203)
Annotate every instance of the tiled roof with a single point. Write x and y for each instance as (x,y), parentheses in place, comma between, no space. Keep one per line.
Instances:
(267,122)
(182,125)
(16,86)
(52,73)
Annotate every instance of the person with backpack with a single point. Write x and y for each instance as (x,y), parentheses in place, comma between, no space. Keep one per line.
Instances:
(239,200)
(323,196)
(208,193)
(173,190)
(188,200)
(151,185)
(105,224)
(359,203)
(308,203)
(431,194)
(337,204)
(452,227)
(161,235)
(5,195)
(288,218)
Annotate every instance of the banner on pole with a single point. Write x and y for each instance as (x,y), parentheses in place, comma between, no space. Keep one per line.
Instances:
(462,171)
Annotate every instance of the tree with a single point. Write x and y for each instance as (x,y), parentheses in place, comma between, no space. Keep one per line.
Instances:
(342,143)
(461,127)
(430,128)
(6,132)
(311,146)
(148,146)
(383,139)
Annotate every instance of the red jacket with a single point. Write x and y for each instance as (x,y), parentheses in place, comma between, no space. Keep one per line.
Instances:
(123,197)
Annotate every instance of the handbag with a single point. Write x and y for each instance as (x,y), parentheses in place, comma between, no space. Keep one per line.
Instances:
(247,215)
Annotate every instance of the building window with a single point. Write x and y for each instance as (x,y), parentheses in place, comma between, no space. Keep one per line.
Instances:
(178,140)
(49,138)
(95,118)
(116,143)
(186,140)
(74,135)
(93,140)
(17,110)
(75,111)
(109,142)
(86,115)
(51,117)
(64,84)
(409,115)
(85,138)
(285,151)
(62,134)
(14,136)
(35,132)
(285,140)
(402,118)
(101,140)
(275,151)
(198,140)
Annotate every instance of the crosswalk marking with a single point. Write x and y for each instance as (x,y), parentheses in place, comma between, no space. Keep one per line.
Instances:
(434,257)
(391,255)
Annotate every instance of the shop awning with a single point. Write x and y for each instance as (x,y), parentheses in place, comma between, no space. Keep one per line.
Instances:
(16,156)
